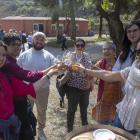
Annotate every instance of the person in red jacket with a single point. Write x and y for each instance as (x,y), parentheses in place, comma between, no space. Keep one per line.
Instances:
(9,87)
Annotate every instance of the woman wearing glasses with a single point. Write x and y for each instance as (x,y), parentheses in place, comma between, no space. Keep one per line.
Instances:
(78,90)
(126,58)
(108,92)
(129,107)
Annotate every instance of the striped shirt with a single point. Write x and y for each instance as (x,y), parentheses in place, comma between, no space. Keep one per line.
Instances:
(77,80)
(129,108)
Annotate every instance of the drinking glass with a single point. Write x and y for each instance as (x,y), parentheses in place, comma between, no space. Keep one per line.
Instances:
(59,60)
(88,58)
(79,55)
(67,57)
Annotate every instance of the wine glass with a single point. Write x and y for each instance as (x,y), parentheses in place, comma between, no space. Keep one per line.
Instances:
(79,55)
(59,60)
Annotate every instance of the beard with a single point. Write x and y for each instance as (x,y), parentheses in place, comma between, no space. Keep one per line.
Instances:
(38,48)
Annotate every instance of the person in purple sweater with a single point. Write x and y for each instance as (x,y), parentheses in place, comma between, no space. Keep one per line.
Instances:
(22,107)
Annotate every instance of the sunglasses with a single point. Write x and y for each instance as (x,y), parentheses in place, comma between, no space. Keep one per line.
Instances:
(78,45)
(137,52)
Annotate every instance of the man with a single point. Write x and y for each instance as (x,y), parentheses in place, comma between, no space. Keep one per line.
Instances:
(23,40)
(1,35)
(36,59)
(63,40)
(13,44)
(78,88)
(30,38)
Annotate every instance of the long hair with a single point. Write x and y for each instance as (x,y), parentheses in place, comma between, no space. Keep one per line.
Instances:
(126,43)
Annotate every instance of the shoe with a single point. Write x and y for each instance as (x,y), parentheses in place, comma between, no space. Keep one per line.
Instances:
(62,50)
(41,135)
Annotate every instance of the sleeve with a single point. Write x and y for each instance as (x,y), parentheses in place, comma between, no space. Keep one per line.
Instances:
(53,59)
(21,88)
(22,73)
(117,66)
(125,72)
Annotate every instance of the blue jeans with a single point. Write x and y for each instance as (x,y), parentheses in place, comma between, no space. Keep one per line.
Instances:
(105,123)
(117,123)
(23,47)
(12,134)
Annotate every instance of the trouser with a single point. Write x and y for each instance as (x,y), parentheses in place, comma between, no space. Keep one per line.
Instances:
(77,96)
(63,45)
(41,102)
(117,123)
(30,45)
(21,110)
(23,47)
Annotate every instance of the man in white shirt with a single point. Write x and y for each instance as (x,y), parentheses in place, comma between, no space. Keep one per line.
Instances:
(37,59)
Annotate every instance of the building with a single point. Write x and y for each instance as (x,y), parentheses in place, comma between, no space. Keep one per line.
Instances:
(43,24)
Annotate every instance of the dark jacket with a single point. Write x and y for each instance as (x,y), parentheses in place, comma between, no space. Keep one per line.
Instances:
(23,39)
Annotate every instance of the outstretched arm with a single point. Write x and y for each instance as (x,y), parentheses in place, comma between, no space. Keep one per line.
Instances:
(101,74)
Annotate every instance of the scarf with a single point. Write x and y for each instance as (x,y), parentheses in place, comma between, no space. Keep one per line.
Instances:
(102,65)
(134,74)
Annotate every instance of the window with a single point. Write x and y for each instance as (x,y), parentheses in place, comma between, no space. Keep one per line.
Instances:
(61,27)
(53,27)
(77,27)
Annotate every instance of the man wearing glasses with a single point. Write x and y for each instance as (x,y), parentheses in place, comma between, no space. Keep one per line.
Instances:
(13,44)
(36,59)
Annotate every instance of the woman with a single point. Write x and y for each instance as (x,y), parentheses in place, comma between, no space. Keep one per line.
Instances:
(129,108)
(108,92)
(78,90)
(9,87)
(126,58)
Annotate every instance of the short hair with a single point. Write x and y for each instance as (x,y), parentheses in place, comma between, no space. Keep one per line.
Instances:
(1,30)
(22,31)
(30,32)
(111,44)
(80,39)
(8,38)
(3,45)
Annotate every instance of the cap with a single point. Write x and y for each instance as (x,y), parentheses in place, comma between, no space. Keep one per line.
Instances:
(39,34)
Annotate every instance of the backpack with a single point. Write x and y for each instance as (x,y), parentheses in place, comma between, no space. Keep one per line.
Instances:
(61,90)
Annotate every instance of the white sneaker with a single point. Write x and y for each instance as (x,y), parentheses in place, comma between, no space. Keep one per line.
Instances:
(41,135)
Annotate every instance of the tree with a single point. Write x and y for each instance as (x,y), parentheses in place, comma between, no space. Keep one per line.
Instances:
(24,9)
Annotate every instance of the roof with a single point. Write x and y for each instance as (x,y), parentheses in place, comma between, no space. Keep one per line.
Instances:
(37,18)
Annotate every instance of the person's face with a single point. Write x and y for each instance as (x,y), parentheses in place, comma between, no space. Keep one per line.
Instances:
(79,46)
(108,52)
(2,56)
(137,51)
(38,42)
(133,33)
(14,49)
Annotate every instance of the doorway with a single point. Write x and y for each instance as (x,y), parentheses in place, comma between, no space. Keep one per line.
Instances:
(38,27)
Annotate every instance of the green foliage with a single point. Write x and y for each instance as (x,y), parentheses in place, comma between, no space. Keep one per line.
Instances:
(91,22)
(24,9)
(18,10)
(31,3)
(106,5)
(98,40)
(31,11)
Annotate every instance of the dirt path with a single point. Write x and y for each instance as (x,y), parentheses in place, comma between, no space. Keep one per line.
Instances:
(56,128)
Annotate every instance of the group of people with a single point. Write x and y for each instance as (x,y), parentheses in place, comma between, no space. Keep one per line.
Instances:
(117,97)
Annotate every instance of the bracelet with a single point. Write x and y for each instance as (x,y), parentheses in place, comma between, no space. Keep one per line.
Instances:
(85,71)
(86,76)
(48,76)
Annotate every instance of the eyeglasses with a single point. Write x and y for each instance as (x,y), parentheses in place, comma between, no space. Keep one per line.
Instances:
(137,52)
(108,49)
(132,31)
(41,40)
(78,45)
(15,45)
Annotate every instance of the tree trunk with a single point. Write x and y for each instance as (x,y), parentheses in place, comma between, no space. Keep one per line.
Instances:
(100,30)
(57,33)
(67,26)
(73,24)
(116,32)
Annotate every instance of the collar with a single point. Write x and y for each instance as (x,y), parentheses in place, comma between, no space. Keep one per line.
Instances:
(9,58)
